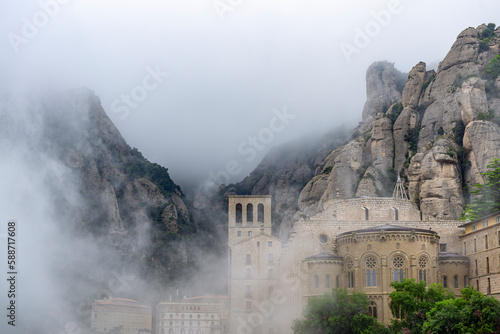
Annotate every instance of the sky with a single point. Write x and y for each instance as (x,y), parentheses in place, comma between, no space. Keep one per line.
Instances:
(207,87)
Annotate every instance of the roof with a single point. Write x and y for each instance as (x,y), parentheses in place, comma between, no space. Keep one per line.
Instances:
(121,302)
(387,228)
(480,219)
(323,256)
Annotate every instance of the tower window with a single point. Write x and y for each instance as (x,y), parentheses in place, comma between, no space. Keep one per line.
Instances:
(249,212)
(260,212)
(398,266)
(367,215)
(455,282)
(239,213)
(445,281)
(371,272)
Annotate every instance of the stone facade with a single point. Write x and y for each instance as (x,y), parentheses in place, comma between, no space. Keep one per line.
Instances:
(481,244)
(196,315)
(113,312)
(360,244)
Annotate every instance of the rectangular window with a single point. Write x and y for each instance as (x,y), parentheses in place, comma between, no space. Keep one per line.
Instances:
(497,219)
(476,269)
(249,233)
(316,281)
(485,223)
(475,246)
(238,234)
(465,248)
(445,281)
(485,242)
(337,281)
(248,273)
(270,258)
(248,291)
(327,284)
(488,291)
(270,244)
(249,259)
(455,282)
(465,282)
(474,227)
(443,248)
(487,265)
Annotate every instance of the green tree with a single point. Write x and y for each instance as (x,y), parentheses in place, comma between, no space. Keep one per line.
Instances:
(410,301)
(487,195)
(338,313)
(471,313)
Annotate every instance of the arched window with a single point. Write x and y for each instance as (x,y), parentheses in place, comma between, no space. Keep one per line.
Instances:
(337,281)
(445,281)
(327,281)
(465,282)
(249,212)
(398,266)
(260,212)
(396,214)
(239,213)
(455,282)
(372,309)
(422,269)
(371,271)
(316,281)
(350,273)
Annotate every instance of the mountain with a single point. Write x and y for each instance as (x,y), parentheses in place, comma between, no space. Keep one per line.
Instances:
(436,129)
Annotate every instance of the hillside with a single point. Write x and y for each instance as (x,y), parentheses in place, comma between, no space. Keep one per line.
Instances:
(437,129)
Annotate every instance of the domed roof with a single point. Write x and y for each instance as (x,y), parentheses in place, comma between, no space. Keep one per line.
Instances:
(387,228)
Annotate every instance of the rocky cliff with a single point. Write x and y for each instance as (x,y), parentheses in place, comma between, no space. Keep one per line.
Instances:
(120,199)
(437,129)
(439,134)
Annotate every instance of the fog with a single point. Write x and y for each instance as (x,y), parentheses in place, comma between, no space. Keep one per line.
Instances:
(229,65)
(198,87)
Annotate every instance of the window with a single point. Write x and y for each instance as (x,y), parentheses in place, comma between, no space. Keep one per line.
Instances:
(337,281)
(316,281)
(270,258)
(249,212)
(367,216)
(485,242)
(396,214)
(443,248)
(270,244)
(260,212)
(477,285)
(350,273)
(485,223)
(372,309)
(475,246)
(465,282)
(476,272)
(488,290)
(248,273)
(239,213)
(422,269)
(238,234)
(323,239)
(270,274)
(248,291)
(327,281)
(497,219)
(445,281)
(249,233)
(474,227)
(398,264)
(249,259)
(465,248)
(371,271)
(487,265)
(455,282)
